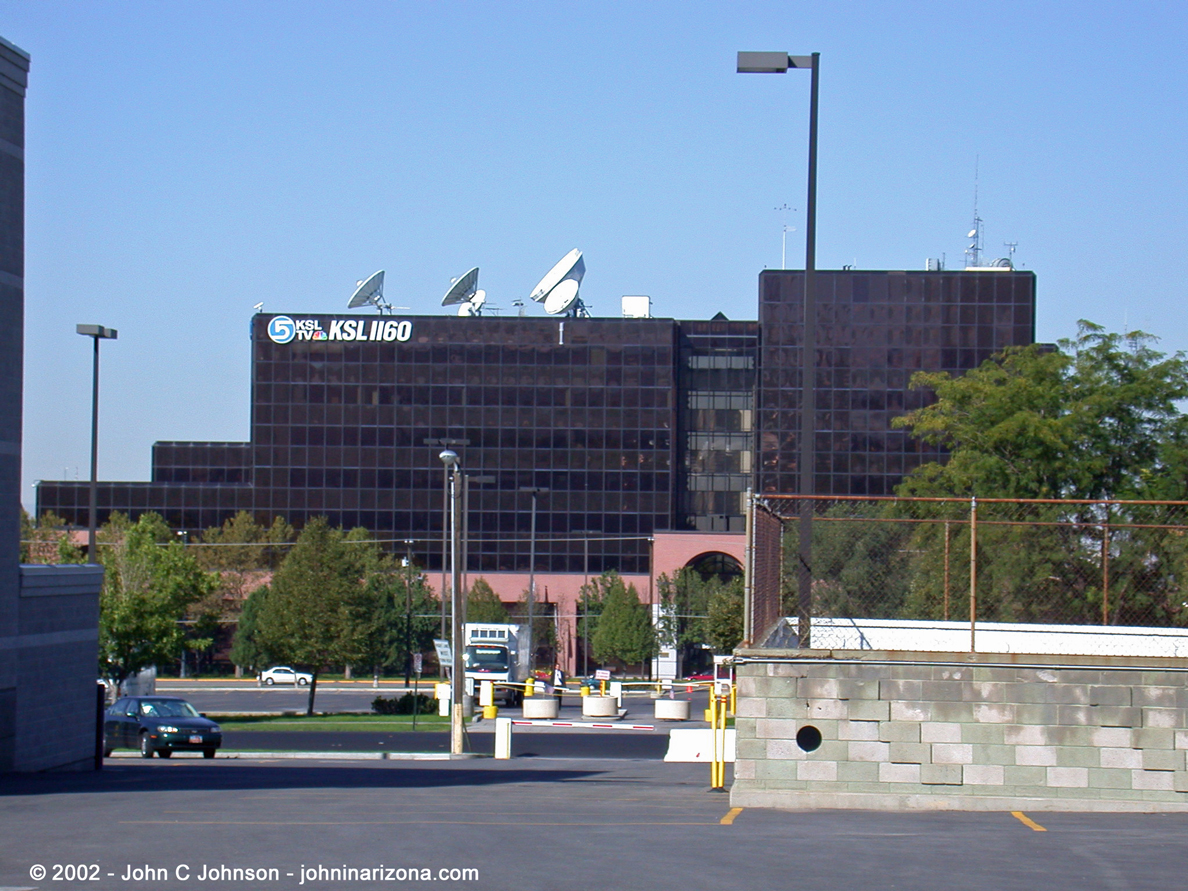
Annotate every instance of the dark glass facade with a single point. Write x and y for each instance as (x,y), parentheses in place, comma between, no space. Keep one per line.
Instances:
(874,330)
(633,426)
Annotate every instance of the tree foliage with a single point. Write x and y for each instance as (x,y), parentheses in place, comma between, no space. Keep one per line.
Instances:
(484,605)
(320,611)
(624,631)
(724,625)
(150,581)
(48,540)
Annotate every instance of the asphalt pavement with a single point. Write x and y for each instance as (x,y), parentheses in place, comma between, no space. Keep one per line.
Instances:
(538,824)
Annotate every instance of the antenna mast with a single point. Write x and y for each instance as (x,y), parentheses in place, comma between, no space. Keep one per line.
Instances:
(973,253)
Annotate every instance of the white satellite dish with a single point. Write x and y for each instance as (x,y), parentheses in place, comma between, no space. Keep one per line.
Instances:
(558,290)
(972,233)
(464,293)
(370,291)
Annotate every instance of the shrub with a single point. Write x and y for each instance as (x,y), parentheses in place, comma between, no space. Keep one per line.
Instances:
(403,705)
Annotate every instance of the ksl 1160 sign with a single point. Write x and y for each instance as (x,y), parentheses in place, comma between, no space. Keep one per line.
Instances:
(284,329)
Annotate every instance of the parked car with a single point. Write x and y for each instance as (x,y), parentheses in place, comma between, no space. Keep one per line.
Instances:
(161,724)
(282,674)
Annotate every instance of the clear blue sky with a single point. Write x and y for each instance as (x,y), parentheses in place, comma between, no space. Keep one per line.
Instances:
(187,160)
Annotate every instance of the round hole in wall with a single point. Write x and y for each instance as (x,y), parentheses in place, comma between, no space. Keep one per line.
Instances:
(808,738)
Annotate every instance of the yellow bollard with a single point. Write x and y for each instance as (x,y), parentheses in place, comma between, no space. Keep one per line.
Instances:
(734,699)
(528,686)
(490,712)
(584,690)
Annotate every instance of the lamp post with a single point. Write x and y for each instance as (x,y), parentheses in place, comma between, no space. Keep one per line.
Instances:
(445,442)
(779,63)
(408,543)
(96,333)
(453,472)
(535,490)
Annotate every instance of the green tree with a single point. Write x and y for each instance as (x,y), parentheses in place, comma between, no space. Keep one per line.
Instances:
(246,650)
(624,632)
(321,610)
(241,552)
(724,627)
(48,540)
(484,605)
(150,581)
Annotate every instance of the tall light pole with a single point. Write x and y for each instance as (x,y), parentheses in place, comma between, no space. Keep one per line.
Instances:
(585,534)
(96,333)
(445,442)
(535,490)
(408,543)
(454,472)
(779,63)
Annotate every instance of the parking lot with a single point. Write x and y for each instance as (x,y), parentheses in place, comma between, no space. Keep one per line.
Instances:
(531,824)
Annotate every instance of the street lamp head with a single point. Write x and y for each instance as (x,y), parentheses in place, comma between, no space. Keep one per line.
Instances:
(96,331)
(771,63)
(449,458)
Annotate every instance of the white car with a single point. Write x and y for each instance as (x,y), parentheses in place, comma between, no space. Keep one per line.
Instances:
(282,674)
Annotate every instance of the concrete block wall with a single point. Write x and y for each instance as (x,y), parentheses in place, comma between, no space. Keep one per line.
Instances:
(960,731)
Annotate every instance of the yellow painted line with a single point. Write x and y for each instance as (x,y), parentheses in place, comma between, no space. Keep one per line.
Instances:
(1027,821)
(402,823)
(730,815)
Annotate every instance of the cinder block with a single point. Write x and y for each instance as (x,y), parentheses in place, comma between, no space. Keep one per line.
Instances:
(1171,718)
(868,772)
(994,713)
(869,710)
(1044,714)
(1068,777)
(1070,694)
(775,728)
(1078,756)
(1083,715)
(1115,737)
(984,692)
(899,731)
(817,688)
(1117,716)
(817,770)
(952,753)
(1180,781)
(1154,738)
(787,669)
(900,689)
(984,734)
(1153,780)
(1111,696)
(910,753)
(1025,735)
(910,711)
(940,774)
(863,750)
(982,774)
(943,691)
(1181,739)
(784,750)
(1156,697)
(750,749)
(1024,776)
(949,673)
(743,769)
(858,730)
(1162,759)
(940,732)
(1028,693)
(825,709)
(858,689)
(1108,778)
(1125,758)
(955,712)
(899,773)
(991,754)
(751,708)
(787,707)
(1042,756)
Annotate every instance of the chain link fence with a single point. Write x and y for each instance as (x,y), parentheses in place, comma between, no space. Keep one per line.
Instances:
(1116,569)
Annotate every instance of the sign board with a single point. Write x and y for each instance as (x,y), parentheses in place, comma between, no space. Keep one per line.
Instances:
(602,674)
(418,663)
(445,653)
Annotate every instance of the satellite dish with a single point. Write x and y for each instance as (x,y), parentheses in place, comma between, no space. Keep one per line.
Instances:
(558,290)
(479,298)
(259,307)
(370,291)
(571,266)
(972,233)
(562,297)
(461,289)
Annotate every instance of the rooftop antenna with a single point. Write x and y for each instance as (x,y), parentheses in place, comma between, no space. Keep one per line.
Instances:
(558,290)
(785,210)
(259,307)
(370,291)
(973,253)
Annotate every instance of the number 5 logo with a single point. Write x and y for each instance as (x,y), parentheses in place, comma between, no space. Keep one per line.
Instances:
(281,329)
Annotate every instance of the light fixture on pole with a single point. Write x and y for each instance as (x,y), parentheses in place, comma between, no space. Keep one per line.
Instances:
(779,63)
(583,599)
(445,442)
(96,333)
(408,543)
(453,471)
(535,490)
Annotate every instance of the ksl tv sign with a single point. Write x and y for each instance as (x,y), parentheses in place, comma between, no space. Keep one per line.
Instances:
(285,329)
